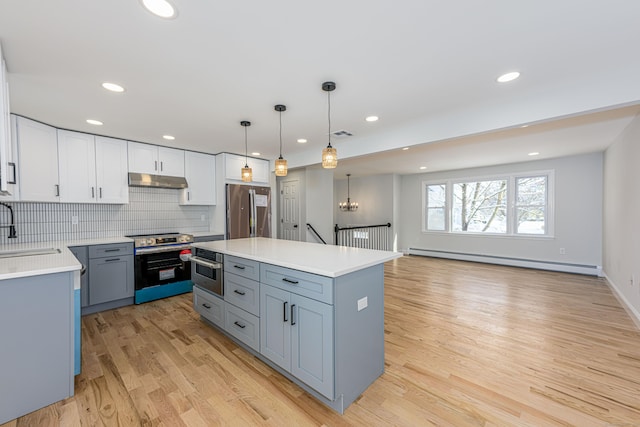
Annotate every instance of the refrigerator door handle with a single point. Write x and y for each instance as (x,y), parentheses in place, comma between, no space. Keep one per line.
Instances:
(254,213)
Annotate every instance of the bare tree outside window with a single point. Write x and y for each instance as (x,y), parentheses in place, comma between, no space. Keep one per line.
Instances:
(531,200)
(480,206)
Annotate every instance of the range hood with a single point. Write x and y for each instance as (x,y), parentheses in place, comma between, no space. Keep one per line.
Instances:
(156,181)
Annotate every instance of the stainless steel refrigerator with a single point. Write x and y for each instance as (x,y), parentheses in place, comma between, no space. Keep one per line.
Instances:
(248,211)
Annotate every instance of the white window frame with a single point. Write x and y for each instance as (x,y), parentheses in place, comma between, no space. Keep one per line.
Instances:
(510,204)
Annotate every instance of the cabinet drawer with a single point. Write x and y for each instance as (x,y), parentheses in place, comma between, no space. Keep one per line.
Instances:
(242,292)
(209,306)
(242,325)
(317,287)
(242,267)
(100,251)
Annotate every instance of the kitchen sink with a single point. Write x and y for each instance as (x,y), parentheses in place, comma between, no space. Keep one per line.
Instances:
(28,252)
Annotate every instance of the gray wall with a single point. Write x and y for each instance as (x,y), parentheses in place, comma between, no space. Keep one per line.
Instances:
(578,214)
(622,216)
(319,200)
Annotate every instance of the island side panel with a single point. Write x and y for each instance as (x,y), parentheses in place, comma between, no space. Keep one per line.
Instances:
(359,334)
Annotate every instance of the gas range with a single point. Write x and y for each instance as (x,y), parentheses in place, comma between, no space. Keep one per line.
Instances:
(153,243)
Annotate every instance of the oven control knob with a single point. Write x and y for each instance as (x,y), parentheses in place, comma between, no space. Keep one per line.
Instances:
(151,242)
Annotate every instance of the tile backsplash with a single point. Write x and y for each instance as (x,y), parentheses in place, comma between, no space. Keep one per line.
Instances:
(150,210)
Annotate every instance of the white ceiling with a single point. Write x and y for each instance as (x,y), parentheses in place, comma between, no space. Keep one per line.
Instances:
(427,68)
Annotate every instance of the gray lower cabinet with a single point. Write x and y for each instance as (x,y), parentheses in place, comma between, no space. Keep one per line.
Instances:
(209,306)
(296,333)
(110,273)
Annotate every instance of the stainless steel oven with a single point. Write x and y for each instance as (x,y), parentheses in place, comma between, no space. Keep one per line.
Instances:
(161,266)
(207,271)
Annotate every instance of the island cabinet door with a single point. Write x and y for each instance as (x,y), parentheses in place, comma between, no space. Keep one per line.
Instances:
(312,344)
(275,329)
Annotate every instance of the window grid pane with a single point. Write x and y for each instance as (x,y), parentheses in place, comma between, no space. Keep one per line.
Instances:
(531,202)
(480,207)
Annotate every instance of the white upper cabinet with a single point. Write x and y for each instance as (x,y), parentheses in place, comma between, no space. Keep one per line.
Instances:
(5,130)
(111,170)
(200,172)
(234,163)
(38,161)
(92,169)
(155,160)
(11,162)
(77,167)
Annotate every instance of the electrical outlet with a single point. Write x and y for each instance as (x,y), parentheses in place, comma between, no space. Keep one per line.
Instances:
(363,303)
(562,251)
(74,220)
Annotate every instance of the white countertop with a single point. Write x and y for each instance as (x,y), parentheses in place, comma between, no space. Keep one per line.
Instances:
(325,260)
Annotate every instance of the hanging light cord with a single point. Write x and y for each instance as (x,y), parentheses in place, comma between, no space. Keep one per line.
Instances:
(280,134)
(246,159)
(329,114)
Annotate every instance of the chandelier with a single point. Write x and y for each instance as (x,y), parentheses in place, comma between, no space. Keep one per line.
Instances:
(348,206)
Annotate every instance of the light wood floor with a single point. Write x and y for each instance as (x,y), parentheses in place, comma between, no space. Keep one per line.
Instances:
(466,345)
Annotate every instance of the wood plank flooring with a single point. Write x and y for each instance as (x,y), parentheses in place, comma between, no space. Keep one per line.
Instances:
(466,344)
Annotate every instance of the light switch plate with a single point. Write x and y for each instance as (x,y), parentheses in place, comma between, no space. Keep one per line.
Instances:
(363,303)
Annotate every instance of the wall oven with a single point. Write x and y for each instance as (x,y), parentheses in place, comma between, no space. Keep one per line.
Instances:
(161,266)
(207,271)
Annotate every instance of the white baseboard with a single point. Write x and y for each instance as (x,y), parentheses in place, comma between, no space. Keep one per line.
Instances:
(592,270)
(633,313)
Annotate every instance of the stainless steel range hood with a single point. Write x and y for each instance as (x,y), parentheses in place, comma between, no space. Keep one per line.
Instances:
(156,181)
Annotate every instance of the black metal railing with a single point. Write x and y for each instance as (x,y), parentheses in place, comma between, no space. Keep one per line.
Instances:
(315,233)
(365,236)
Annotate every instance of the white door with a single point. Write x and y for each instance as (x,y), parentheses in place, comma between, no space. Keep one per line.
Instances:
(38,156)
(289,210)
(77,167)
(111,170)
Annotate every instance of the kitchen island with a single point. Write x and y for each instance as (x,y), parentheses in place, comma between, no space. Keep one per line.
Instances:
(313,312)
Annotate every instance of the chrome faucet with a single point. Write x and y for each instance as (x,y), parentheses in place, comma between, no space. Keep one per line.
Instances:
(12,226)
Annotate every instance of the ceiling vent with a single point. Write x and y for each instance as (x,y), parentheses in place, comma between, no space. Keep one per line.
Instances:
(341,134)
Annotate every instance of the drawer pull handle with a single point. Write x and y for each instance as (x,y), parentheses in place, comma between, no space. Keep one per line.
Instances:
(238,292)
(293,282)
(206,305)
(284,312)
(293,322)
(240,267)
(112,259)
(239,325)
(112,250)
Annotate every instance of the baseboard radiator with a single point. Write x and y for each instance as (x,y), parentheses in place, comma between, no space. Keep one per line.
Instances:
(592,270)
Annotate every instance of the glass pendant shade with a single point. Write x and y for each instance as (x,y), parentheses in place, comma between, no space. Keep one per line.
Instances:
(281,167)
(329,157)
(247,173)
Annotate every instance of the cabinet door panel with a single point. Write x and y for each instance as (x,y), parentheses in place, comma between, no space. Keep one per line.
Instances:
(110,279)
(312,344)
(200,172)
(111,170)
(38,156)
(143,158)
(77,167)
(171,161)
(275,331)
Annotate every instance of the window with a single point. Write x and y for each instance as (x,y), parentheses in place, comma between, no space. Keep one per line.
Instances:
(504,205)
(531,202)
(480,206)
(436,207)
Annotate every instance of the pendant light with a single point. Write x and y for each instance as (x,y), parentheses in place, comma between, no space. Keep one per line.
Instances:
(247,174)
(281,164)
(348,206)
(329,154)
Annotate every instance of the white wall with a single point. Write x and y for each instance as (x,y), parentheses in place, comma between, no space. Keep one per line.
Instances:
(578,214)
(319,201)
(374,195)
(622,216)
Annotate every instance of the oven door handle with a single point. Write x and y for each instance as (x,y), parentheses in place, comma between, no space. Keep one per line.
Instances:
(206,263)
(160,249)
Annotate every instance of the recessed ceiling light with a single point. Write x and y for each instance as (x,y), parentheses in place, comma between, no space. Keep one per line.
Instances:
(94,122)
(422,168)
(169,137)
(302,141)
(405,148)
(161,8)
(255,153)
(372,118)
(508,77)
(113,87)
(533,153)
(524,126)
